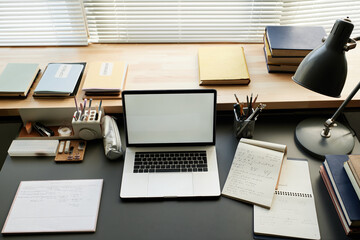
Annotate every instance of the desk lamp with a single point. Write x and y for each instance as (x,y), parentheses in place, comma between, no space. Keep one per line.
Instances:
(324,71)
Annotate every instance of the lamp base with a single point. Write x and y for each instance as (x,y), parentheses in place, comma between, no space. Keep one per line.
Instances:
(308,135)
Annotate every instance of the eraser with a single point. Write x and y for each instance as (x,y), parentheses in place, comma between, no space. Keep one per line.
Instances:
(28,127)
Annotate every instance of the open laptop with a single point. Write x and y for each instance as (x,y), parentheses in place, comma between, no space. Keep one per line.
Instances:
(170,139)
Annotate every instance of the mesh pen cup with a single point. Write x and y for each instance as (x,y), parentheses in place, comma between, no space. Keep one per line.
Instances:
(242,127)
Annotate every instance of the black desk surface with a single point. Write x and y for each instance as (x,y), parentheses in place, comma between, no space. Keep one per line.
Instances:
(192,218)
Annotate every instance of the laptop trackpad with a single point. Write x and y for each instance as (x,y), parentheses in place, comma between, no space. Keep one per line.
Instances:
(170,185)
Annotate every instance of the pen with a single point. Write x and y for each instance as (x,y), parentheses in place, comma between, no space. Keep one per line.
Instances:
(85,114)
(251,102)
(248,106)
(256,112)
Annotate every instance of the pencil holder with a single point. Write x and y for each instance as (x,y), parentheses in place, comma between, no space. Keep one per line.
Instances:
(87,126)
(243,128)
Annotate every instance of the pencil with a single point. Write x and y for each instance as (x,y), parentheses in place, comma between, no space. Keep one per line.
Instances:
(237,99)
(76,105)
(255,99)
(100,105)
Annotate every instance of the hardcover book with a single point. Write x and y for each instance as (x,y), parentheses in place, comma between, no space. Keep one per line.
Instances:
(223,65)
(279,60)
(351,175)
(354,164)
(294,41)
(60,79)
(353,231)
(345,193)
(17,78)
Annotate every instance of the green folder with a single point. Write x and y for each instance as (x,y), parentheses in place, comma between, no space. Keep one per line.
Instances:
(17,78)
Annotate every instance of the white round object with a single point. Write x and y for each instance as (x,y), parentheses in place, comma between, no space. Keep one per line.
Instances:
(87,134)
(64,131)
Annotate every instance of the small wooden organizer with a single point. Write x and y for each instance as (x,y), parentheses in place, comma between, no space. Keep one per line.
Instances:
(75,153)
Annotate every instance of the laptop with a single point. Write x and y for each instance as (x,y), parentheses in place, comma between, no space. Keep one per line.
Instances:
(170,144)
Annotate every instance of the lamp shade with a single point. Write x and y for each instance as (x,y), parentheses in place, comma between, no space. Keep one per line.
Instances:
(324,69)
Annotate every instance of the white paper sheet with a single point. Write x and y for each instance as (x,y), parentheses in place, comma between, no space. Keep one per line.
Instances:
(55,206)
(293,213)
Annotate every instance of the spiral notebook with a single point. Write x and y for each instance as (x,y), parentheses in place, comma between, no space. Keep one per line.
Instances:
(293,212)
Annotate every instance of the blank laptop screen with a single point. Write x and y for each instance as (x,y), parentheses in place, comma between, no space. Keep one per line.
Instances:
(166,117)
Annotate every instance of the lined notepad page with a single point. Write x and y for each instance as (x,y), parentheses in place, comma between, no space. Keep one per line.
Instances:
(293,212)
(255,172)
(55,206)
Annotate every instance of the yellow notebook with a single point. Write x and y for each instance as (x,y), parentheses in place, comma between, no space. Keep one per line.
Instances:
(223,65)
(105,78)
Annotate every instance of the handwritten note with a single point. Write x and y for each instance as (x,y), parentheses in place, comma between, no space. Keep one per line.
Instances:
(254,172)
(55,206)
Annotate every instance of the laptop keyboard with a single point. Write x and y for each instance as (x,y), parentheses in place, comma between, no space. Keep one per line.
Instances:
(189,161)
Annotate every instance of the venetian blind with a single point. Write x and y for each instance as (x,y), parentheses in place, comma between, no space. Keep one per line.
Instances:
(42,23)
(321,12)
(180,20)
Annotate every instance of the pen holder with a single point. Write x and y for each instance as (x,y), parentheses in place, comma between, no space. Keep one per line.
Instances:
(87,127)
(244,128)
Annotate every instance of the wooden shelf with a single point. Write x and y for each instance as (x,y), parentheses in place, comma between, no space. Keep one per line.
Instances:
(175,66)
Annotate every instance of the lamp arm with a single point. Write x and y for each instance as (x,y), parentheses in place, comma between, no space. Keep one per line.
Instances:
(331,121)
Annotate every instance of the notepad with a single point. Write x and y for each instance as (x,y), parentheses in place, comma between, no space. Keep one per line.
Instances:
(55,206)
(17,78)
(254,172)
(293,212)
(60,79)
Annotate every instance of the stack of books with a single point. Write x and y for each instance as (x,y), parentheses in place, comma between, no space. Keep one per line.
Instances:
(343,195)
(286,46)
